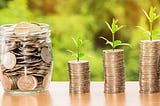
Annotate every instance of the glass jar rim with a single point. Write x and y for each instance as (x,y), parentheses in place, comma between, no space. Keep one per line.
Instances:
(7,30)
(42,25)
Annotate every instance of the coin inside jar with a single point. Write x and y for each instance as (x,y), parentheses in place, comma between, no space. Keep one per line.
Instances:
(6,83)
(9,60)
(25,27)
(46,80)
(46,55)
(26,83)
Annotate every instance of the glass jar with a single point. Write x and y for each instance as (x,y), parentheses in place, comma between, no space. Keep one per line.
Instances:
(26,57)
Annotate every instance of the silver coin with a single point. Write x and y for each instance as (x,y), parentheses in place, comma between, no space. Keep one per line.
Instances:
(25,28)
(9,60)
(46,55)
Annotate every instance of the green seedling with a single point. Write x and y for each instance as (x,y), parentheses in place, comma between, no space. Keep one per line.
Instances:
(78,43)
(151,16)
(114,28)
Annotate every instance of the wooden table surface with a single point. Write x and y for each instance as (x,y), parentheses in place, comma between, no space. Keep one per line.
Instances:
(58,95)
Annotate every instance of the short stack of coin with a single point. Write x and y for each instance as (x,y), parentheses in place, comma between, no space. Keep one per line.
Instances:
(149,60)
(26,58)
(114,75)
(79,76)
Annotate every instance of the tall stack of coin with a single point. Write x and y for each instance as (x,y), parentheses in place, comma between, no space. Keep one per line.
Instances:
(159,66)
(114,75)
(159,70)
(26,59)
(79,76)
(149,60)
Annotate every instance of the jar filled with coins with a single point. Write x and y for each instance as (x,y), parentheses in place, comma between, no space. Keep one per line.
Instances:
(26,57)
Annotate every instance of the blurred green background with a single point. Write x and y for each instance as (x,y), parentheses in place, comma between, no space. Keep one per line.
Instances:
(85,18)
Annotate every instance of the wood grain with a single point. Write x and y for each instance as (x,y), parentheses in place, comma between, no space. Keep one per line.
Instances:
(58,95)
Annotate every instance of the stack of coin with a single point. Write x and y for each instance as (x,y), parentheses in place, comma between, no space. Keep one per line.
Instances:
(79,76)
(113,61)
(159,67)
(149,60)
(159,70)
(26,58)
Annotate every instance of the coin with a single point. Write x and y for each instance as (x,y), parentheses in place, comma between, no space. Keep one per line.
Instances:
(46,55)
(32,56)
(6,83)
(25,27)
(46,80)
(79,76)
(149,52)
(14,69)
(10,74)
(9,82)
(113,62)
(10,45)
(9,60)
(26,83)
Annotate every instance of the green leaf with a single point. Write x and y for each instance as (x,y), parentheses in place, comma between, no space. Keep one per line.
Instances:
(79,41)
(107,41)
(80,55)
(125,44)
(157,17)
(70,51)
(110,43)
(117,43)
(145,13)
(141,28)
(73,53)
(144,30)
(152,14)
(155,32)
(122,26)
(103,38)
(75,42)
(114,28)
(114,25)
(109,26)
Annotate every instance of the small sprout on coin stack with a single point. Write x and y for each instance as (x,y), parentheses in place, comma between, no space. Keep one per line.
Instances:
(113,62)
(149,56)
(151,16)
(78,43)
(79,74)
(114,28)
